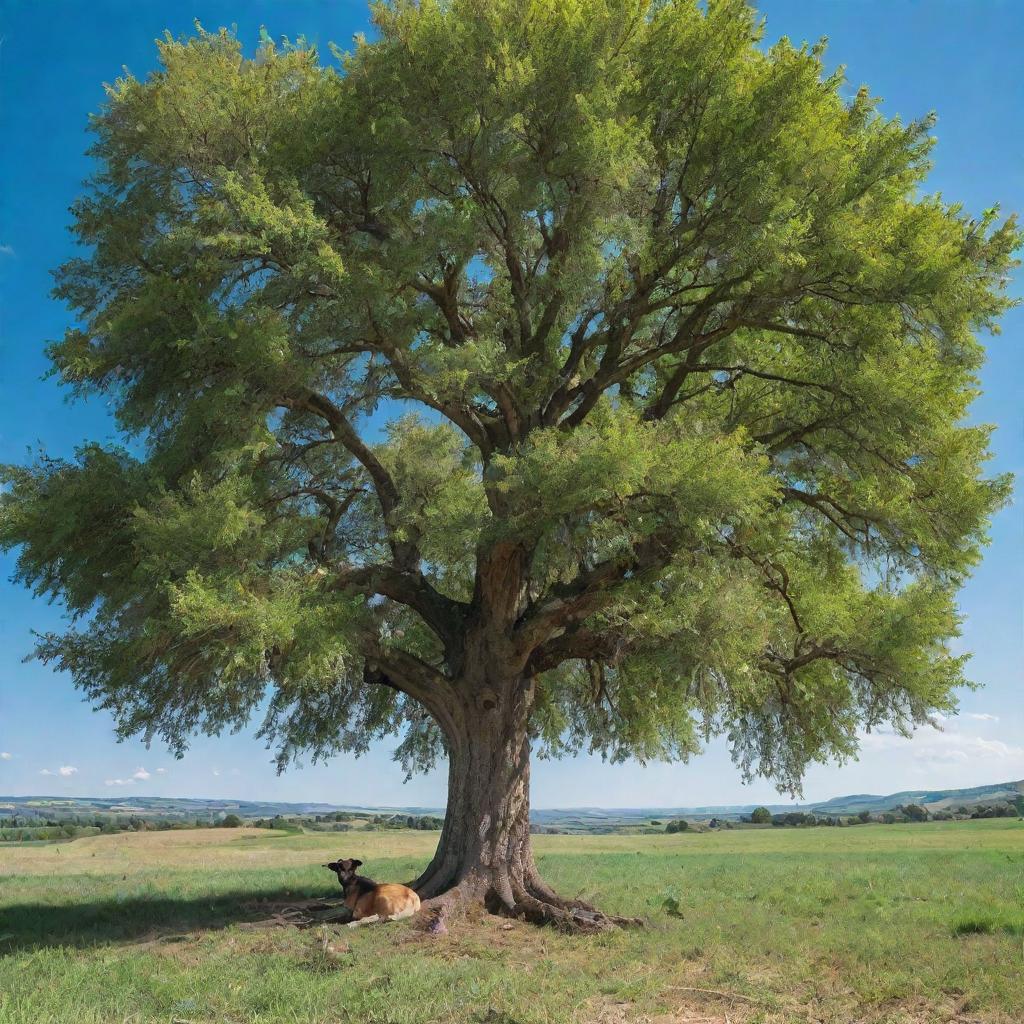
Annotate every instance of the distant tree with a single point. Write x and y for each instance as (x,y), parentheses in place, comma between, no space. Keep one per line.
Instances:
(1001,810)
(864,816)
(677,825)
(914,812)
(231,821)
(695,346)
(761,816)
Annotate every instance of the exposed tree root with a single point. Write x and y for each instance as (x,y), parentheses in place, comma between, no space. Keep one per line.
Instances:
(537,905)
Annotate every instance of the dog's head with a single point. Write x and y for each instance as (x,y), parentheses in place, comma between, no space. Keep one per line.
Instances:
(344,869)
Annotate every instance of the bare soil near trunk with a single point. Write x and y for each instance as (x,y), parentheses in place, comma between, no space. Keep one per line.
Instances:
(875,924)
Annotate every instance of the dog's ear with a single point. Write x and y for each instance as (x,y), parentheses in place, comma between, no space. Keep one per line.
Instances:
(333,866)
(356,864)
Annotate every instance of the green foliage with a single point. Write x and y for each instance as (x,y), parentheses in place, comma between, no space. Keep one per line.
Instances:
(761,816)
(670,338)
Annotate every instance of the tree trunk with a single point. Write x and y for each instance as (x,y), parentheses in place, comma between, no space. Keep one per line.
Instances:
(485,855)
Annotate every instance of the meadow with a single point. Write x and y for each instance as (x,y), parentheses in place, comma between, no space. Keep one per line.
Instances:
(915,923)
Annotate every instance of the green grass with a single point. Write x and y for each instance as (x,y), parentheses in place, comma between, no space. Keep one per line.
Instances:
(874,924)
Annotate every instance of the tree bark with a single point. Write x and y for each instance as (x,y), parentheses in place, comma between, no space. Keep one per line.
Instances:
(485,854)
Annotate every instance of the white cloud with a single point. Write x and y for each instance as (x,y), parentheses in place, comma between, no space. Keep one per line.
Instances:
(46,771)
(119,782)
(65,771)
(141,774)
(161,771)
(216,771)
(7,250)
(950,747)
(4,756)
(981,716)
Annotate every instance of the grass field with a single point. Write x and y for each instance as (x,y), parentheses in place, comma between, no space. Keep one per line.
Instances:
(914,923)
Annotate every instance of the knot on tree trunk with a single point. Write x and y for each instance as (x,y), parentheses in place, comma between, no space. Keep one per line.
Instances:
(487,699)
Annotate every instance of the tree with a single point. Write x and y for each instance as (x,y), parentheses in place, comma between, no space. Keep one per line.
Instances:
(864,816)
(231,821)
(914,812)
(548,377)
(761,816)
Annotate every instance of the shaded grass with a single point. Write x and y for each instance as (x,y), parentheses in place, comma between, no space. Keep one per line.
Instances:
(868,924)
(986,926)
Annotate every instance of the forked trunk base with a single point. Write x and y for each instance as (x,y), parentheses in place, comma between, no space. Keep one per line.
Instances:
(536,904)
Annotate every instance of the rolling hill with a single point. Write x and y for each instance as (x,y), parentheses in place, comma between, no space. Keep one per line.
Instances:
(575,819)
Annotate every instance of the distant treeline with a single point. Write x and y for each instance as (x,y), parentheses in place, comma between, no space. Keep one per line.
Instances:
(895,816)
(346,821)
(23,829)
(20,828)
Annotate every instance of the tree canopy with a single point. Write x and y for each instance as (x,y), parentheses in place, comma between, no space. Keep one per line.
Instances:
(601,323)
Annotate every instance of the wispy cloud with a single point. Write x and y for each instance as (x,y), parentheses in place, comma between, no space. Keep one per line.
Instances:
(161,771)
(64,771)
(981,716)
(948,746)
(141,774)
(119,782)
(6,250)
(5,756)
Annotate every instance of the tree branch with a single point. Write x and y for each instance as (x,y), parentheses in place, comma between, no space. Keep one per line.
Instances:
(572,602)
(399,670)
(442,614)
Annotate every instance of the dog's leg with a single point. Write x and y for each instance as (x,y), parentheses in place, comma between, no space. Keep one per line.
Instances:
(364,920)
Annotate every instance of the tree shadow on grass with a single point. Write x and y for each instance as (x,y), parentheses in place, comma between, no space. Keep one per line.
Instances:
(31,926)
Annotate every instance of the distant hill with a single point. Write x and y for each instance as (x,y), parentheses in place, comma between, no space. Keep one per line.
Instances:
(931,799)
(574,819)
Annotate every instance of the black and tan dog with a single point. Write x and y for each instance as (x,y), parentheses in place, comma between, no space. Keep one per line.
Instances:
(369,901)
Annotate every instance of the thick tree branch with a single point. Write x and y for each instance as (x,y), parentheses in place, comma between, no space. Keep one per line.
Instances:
(442,614)
(399,670)
(578,643)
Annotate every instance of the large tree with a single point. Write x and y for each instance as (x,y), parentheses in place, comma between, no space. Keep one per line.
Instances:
(557,375)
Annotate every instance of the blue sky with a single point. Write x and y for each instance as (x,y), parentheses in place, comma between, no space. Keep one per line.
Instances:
(958,58)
